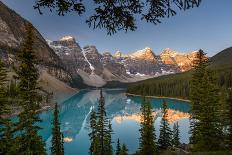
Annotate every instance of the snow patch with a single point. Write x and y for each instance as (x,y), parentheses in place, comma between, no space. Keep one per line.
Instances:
(139,74)
(90,65)
(67,38)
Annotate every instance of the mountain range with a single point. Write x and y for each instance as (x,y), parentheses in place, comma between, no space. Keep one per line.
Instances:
(97,69)
(65,63)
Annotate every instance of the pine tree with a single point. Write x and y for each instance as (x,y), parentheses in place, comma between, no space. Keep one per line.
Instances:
(147,131)
(93,150)
(165,137)
(118,148)
(108,141)
(176,135)
(101,130)
(196,93)
(206,125)
(124,150)
(28,139)
(57,137)
(210,125)
(6,126)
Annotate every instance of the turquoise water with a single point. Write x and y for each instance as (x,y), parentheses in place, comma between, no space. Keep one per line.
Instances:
(123,112)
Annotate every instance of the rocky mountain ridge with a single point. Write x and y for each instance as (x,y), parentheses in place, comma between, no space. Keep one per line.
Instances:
(97,69)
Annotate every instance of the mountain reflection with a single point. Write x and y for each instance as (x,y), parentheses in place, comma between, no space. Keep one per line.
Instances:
(75,112)
(173,116)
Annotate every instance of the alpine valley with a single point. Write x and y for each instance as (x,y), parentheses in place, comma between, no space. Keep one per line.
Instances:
(64,64)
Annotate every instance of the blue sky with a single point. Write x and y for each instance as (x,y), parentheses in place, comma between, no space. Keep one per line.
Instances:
(208,27)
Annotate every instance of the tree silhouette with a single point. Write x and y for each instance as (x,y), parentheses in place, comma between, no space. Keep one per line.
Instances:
(116,15)
(118,148)
(29,141)
(176,135)
(147,140)
(57,136)
(165,137)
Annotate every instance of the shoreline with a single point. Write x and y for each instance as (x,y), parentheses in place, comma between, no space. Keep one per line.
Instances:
(159,97)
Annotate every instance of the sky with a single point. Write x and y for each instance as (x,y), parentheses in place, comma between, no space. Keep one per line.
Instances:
(208,27)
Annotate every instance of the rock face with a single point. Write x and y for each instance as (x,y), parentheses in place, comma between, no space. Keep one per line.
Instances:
(12,31)
(144,62)
(94,68)
(181,60)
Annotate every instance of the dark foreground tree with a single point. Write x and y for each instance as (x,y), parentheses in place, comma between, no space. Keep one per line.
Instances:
(102,125)
(115,15)
(108,141)
(93,150)
(57,137)
(124,150)
(147,145)
(197,93)
(206,125)
(176,135)
(165,138)
(101,130)
(28,139)
(6,126)
(118,148)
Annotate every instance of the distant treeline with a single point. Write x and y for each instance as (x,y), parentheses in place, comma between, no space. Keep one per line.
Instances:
(178,85)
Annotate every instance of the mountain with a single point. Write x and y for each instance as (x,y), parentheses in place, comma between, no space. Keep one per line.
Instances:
(177,85)
(97,70)
(143,62)
(12,32)
(222,59)
(183,61)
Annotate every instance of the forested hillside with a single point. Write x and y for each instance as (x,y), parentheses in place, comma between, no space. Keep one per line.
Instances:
(177,85)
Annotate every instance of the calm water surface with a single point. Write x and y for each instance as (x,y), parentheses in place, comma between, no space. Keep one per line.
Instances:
(123,112)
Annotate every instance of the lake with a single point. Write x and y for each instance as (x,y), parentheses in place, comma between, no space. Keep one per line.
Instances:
(123,112)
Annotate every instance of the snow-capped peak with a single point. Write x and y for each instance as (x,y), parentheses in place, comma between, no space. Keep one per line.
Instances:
(67,38)
(146,54)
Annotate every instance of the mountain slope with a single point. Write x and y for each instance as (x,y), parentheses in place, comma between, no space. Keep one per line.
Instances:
(222,60)
(177,85)
(12,32)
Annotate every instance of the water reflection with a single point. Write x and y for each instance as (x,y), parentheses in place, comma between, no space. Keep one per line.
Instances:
(123,111)
(172,116)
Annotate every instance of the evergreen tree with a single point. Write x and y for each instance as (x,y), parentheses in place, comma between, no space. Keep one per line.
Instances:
(102,124)
(57,137)
(28,139)
(210,125)
(165,137)
(176,135)
(206,125)
(108,141)
(124,150)
(93,150)
(147,131)
(6,126)
(118,148)
(101,130)
(197,93)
